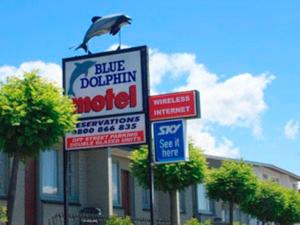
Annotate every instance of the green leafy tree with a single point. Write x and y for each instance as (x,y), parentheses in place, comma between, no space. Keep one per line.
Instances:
(291,211)
(233,182)
(171,177)
(267,204)
(34,115)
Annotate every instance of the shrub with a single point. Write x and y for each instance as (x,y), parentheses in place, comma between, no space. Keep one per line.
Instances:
(238,223)
(115,220)
(207,222)
(194,221)
(3,214)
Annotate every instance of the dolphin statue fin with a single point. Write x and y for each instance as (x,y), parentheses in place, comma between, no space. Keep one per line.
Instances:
(114,30)
(95,18)
(83,46)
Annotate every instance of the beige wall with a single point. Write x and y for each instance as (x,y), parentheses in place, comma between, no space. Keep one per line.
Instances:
(283,179)
(94,185)
(19,210)
(189,211)
(162,203)
(50,209)
(99,183)
(95,190)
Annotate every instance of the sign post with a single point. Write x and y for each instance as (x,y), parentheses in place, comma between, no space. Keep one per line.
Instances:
(110,92)
(66,185)
(149,143)
(170,135)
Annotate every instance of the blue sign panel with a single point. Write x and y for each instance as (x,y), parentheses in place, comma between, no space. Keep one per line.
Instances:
(170,141)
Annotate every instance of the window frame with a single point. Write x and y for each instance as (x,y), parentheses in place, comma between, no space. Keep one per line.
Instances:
(46,196)
(145,199)
(74,162)
(117,203)
(209,203)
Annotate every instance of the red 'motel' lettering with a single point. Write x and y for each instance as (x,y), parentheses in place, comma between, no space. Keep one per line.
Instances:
(110,100)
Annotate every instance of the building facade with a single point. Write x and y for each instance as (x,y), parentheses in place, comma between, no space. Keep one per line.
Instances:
(101,179)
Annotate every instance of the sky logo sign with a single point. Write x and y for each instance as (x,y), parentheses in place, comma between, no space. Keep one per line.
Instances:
(172,129)
(170,141)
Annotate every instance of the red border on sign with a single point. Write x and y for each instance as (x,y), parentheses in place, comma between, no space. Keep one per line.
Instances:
(105,140)
(173,105)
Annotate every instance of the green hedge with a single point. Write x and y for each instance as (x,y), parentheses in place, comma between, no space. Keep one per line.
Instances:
(194,221)
(3,214)
(114,220)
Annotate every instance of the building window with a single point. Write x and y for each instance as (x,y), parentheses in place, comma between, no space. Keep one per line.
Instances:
(275,179)
(146,199)
(182,205)
(225,212)
(203,202)
(50,180)
(4,174)
(73,176)
(116,184)
(51,164)
(295,187)
(265,177)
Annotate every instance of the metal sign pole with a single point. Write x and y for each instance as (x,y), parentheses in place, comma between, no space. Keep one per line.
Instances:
(135,61)
(149,141)
(66,184)
(151,173)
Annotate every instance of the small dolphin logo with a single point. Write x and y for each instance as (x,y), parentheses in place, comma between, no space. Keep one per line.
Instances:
(81,68)
(102,25)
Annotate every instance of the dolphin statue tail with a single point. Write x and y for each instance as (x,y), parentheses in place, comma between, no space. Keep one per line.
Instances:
(83,46)
(71,92)
(72,47)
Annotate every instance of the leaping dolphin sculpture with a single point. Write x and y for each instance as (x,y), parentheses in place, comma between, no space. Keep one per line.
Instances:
(102,25)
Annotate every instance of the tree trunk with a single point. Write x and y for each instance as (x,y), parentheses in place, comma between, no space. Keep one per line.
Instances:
(174,207)
(12,189)
(231,212)
(263,222)
(30,200)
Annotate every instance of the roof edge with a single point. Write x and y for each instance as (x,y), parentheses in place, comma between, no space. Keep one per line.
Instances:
(271,166)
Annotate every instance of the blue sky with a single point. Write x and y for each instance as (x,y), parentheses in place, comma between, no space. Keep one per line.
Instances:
(243,56)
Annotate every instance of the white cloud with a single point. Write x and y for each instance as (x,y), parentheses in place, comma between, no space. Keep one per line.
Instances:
(291,129)
(49,190)
(50,71)
(211,145)
(115,47)
(237,101)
